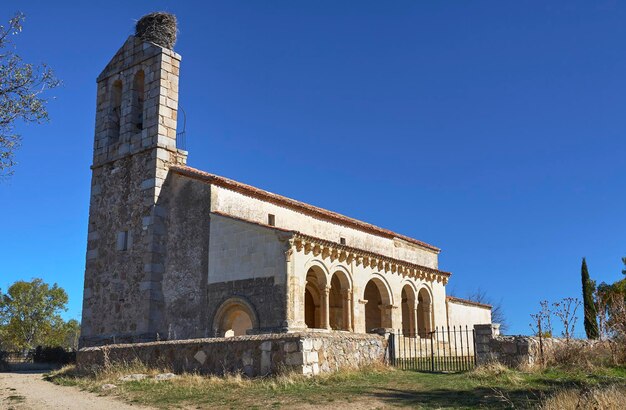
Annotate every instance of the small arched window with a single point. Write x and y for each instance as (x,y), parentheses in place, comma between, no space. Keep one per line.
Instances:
(115,115)
(138,99)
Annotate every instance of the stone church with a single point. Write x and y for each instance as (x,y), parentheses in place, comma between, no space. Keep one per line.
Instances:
(178,253)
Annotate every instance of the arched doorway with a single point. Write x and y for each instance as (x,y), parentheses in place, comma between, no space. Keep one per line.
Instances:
(378,305)
(234,318)
(424,313)
(314,296)
(408,311)
(237,323)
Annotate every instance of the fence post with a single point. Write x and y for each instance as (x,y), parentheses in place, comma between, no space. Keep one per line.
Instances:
(432,352)
(392,348)
(475,354)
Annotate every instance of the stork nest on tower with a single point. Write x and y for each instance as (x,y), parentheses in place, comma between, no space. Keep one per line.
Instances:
(158,28)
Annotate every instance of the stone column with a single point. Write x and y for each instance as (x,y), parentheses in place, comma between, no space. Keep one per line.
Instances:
(413,317)
(347,309)
(426,310)
(386,312)
(359,318)
(325,296)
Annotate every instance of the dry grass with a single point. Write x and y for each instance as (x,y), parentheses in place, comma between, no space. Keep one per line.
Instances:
(496,372)
(490,386)
(230,390)
(606,398)
(583,355)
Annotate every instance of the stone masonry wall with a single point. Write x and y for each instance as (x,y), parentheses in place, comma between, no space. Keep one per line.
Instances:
(186,246)
(266,297)
(123,296)
(307,353)
(113,299)
(516,351)
(249,261)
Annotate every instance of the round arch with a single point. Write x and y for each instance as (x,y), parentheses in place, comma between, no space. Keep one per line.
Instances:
(425,311)
(378,303)
(408,306)
(383,287)
(340,299)
(319,268)
(316,282)
(235,317)
(344,275)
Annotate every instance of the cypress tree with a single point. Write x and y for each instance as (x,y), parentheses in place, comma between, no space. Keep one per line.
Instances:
(591,323)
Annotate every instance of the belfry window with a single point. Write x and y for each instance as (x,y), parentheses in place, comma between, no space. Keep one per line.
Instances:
(115,115)
(138,100)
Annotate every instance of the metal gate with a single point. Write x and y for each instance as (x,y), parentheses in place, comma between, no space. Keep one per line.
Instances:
(445,349)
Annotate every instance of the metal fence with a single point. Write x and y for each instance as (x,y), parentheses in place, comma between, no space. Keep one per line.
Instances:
(445,349)
(17,357)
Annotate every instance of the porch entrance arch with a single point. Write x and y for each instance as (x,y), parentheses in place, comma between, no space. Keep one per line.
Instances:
(378,305)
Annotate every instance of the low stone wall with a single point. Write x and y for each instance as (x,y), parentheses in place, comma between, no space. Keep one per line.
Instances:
(520,351)
(258,355)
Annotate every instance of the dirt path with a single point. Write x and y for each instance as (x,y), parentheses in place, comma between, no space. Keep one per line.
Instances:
(29,391)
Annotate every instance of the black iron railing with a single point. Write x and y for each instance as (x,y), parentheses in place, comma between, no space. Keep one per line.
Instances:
(445,349)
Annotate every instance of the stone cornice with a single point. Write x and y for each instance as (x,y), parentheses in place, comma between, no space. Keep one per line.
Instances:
(343,253)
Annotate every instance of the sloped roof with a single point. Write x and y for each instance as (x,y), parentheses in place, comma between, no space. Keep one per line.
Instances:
(468,302)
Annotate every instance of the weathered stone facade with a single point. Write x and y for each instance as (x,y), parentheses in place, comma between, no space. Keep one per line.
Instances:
(177,253)
(134,140)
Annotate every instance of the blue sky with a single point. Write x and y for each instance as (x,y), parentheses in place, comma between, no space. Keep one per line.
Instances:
(494,130)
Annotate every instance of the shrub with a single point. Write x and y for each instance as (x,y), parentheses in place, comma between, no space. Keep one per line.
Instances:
(53,355)
(4,365)
(583,354)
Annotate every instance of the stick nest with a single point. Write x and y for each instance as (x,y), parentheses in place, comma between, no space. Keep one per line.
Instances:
(158,28)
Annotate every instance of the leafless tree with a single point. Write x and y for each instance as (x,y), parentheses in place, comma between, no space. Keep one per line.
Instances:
(565,310)
(21,88)
(497,311)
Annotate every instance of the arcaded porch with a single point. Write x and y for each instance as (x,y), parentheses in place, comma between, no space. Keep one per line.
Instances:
(342,290)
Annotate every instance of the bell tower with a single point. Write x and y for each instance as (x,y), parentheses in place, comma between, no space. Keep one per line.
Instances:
(134,145)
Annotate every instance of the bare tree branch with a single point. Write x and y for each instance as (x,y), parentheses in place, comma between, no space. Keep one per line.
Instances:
(21,89)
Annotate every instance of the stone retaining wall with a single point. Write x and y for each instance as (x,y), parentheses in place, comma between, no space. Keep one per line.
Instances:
(258,355)
(519,351)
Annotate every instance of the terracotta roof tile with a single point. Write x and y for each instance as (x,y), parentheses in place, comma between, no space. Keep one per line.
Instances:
(468,302)
(295,205)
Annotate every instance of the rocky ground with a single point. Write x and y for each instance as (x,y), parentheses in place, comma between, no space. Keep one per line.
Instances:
(28,390)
